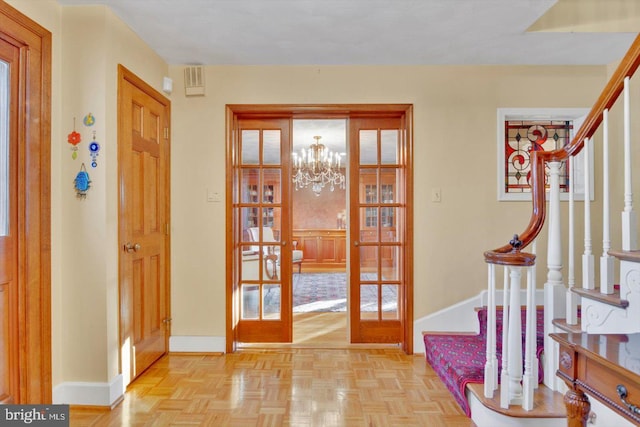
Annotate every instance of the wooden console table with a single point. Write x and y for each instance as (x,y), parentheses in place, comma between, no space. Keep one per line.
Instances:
(606,366)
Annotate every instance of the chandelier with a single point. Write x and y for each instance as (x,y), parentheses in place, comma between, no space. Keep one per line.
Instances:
(317,167)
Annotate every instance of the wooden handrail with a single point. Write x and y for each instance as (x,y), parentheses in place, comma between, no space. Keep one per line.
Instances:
(510,254)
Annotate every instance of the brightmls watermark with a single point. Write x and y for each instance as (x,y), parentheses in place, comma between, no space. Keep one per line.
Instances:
(36,415)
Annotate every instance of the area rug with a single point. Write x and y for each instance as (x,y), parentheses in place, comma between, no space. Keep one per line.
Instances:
(318,292)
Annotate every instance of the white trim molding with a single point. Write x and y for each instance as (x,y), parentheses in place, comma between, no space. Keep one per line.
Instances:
(89,394)
(577,115)
(197,344)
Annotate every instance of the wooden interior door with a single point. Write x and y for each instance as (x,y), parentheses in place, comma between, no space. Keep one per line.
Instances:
(377,193)
(25,206)
(9,320)
(144,224)
(262,229)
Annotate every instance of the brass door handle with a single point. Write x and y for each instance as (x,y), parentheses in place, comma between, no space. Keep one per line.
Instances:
(132,247)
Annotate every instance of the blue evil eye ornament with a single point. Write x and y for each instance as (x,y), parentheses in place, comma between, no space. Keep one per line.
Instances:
(94,148)
(82,183)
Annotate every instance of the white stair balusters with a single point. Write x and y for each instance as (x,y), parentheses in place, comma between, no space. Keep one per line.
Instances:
(588,268)
(504,373)
(491,365)
(572,298)
(629,220)
(514,341)
(606,261)
(530,377)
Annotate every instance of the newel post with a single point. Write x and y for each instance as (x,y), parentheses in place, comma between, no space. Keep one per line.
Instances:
(554,289)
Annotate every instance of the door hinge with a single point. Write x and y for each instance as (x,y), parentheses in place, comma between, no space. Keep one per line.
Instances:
(166,228)
(166,133)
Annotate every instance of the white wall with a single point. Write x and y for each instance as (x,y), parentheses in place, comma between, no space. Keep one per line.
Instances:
(455,150)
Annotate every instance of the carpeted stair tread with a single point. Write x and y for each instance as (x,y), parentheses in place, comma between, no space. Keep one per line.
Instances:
(459,359)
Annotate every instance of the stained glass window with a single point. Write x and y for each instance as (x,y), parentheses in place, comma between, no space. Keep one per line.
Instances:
(522,137)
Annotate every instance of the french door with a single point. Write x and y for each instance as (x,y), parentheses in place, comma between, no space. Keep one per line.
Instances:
(261,217)
(378,230)
(259,292)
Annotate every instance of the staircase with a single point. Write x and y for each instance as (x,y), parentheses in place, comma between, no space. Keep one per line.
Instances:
(600,303)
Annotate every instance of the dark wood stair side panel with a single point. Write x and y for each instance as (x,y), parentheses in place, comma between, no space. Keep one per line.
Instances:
(595,294)
(562,324)
(633,256)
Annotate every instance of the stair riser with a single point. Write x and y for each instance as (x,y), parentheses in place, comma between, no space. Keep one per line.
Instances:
(601,318)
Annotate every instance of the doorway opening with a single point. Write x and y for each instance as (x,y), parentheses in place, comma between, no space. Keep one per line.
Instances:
(319,222)
(267,251)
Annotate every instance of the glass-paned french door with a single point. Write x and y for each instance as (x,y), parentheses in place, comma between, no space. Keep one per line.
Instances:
(9,231)
(379,221)
(262,254)
(377,230)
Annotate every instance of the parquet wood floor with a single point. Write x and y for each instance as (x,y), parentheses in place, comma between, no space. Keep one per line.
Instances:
(284,387)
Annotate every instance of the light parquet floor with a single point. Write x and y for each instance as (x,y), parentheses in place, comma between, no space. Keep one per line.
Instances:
(284,387)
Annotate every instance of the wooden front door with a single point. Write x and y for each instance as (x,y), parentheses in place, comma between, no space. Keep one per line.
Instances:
(9,344)
(261,223)
(378,230)
(25,201)
(144,224)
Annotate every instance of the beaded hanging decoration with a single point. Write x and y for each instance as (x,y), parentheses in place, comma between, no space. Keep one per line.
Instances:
(94,148)
(82,183)
(74,139)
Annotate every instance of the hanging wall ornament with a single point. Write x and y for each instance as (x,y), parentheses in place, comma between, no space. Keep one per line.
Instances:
(94,148)
(74,139)
(82,183)
(89,120)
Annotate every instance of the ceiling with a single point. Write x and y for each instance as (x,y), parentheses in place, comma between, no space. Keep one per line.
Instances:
(381,32)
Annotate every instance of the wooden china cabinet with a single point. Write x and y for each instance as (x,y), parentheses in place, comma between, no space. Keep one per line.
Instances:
(376,217)
(322,248)
(270,194)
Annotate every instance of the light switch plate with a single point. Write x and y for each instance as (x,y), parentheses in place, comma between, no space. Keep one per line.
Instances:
(213,196)
(436,195)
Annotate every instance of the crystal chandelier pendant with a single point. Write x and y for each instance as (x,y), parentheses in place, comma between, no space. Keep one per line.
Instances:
(316,168)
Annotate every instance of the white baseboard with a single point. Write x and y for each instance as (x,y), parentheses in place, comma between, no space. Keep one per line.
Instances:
(106,394)
(460,317)
(89,394)
(197,344)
